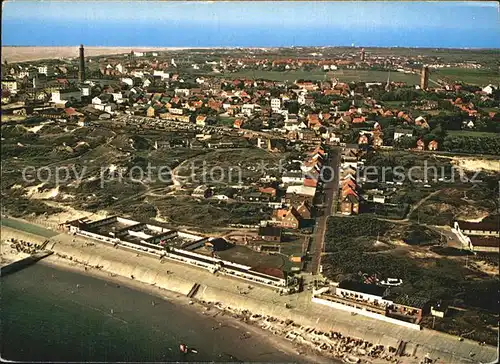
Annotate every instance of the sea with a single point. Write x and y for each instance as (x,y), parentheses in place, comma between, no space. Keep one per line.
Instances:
(53,315)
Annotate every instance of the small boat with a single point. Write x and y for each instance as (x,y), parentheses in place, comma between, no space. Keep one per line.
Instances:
(183,348)
(194,351)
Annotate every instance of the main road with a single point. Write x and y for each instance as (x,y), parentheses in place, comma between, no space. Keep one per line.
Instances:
(329,179)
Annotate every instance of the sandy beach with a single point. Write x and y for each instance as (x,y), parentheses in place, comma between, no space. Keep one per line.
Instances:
(24,54)
(13,54)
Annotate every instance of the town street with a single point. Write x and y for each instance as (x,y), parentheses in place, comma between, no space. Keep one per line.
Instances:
(327,207)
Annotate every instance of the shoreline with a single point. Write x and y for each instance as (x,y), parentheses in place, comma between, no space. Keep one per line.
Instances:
(202,308)
(318,329)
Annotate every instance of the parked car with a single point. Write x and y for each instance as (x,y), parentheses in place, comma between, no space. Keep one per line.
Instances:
(391,282)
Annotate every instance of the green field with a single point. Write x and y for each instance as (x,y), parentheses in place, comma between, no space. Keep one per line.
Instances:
(341,75)
(476,134)
(471,76)
(26,227)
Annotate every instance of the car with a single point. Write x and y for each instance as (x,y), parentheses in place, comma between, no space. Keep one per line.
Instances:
(391,282)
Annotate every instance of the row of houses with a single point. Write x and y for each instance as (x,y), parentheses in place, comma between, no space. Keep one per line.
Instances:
(478,237)
(349,189)
(177,246)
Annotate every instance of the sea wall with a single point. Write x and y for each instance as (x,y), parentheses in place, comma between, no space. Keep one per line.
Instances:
(355,310)
(138,271)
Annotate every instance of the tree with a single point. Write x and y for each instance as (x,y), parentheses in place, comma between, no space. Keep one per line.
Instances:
(406,142)
(292,107)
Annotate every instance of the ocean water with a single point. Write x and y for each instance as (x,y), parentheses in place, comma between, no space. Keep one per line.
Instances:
(258,24)
(46,317)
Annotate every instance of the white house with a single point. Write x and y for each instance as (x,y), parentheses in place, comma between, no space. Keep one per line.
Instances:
(489,89)
(118,97)
(363,292)
(30,73)
(182,91)
(301,190)
(293,178)
(301,99)
(96,101)
(398,133)
(110,108)
(63,96)
(176,111)
(275,104)
(86,90)
(292,123)
(46,70)
(10,85)
(248,109)
(161,73)
(120,68)
(128,81)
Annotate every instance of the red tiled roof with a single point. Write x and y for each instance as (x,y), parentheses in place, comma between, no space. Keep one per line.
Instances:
(274,272)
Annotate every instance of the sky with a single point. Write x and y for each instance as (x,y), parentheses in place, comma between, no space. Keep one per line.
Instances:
(251,24)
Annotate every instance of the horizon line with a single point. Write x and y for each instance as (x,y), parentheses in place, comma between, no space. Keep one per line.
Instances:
(255,47)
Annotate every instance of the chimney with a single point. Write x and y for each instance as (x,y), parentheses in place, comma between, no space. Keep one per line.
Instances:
(81,70)
(424,78)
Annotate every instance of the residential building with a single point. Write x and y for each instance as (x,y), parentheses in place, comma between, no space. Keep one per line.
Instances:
(398,133)
(477,228)
(275,105)
(363,139)
(271,233)
(10,84)
(65,95)
(433,145)
(349,204)
(46,70)
(420,144)
(489,89)
(484,244)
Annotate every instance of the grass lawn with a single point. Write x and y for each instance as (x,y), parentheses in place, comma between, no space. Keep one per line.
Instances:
(27,227)
(471,133)
(226,121)
(244,255)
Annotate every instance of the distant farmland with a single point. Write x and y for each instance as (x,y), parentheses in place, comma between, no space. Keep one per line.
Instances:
(342,75)
(471,76)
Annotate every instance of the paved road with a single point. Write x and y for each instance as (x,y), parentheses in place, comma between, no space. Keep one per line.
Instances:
(330,193)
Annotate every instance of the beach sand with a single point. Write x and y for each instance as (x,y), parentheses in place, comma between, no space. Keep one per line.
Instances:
(24,54)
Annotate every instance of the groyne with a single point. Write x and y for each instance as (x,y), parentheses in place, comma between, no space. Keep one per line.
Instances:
(23,263)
